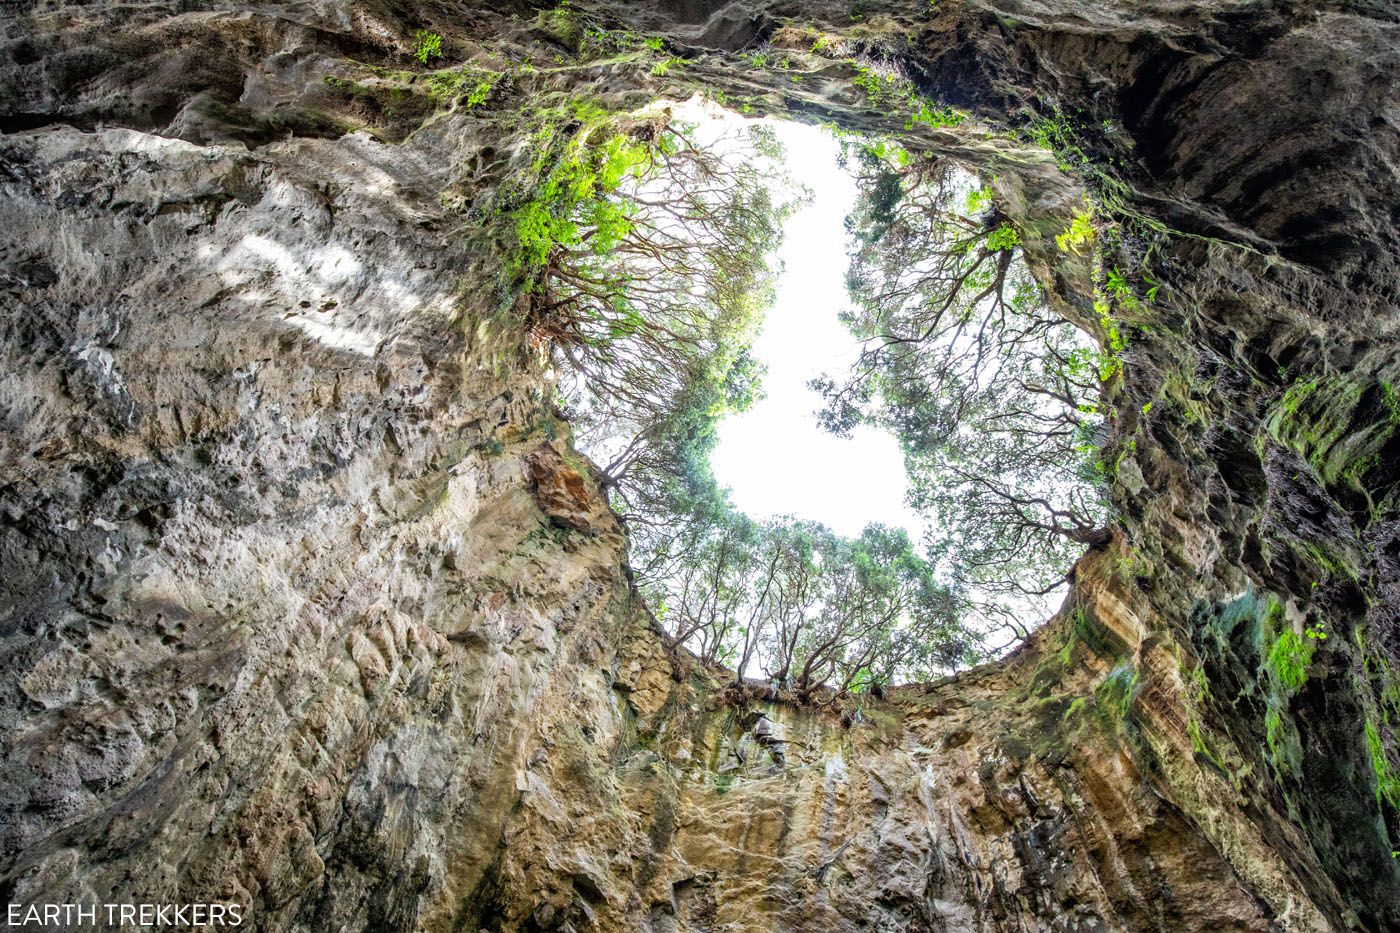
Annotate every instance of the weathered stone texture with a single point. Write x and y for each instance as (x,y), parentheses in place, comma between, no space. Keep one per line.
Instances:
(308,604)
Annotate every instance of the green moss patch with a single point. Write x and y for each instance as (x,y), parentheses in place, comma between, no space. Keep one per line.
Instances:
(1114,694)
(1339,425)
(1288,659)
(1387,780)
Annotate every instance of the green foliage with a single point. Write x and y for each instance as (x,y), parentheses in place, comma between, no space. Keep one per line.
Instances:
(994,397)
(892,93)
(1117,285)
(1079,234)
(874,86)
(468,87)
(480,91)
(1286,654)
(576,197)
(927,113)
(1056,134)
(1109,359)
(1387,780)
(1115,299)
(591,41)
(978,199)
(807,606)
(1003,237)
(1288,659)
(426,45)
(1116,692)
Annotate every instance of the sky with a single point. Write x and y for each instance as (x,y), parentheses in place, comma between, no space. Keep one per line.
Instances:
(775,458)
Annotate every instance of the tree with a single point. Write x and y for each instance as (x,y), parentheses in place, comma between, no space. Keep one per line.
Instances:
(810,607)
(881,614)
(802,547)
(648,257)
(919,631)
(994,397)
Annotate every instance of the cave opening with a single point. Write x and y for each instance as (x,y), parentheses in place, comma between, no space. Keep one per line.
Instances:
(917,366)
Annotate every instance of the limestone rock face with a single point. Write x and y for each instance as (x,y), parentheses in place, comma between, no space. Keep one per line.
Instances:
(564,494)
(308,605)
(1006,798)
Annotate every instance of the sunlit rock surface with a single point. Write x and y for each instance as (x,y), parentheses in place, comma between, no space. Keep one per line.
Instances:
(308,605)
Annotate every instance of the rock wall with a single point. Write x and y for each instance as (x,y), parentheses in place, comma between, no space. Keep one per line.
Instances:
(309,606)
(1009,797)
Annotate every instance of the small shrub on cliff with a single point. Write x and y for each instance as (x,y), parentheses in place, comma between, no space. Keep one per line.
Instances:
(426,45)
(893,93)
(1079,235)
(468,87)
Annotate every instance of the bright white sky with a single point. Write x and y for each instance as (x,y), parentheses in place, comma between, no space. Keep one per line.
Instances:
(775,458)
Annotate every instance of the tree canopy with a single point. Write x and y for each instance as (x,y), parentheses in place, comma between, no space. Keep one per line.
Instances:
(804,607)
(650,252)
(993,396)
(646,257)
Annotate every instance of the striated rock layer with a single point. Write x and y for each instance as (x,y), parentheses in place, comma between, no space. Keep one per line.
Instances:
(308,605)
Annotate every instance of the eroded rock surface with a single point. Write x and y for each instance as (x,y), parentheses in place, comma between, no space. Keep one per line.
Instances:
(308,605)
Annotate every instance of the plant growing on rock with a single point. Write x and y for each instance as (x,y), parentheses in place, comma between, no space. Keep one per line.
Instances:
(426,45)
(897,94)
